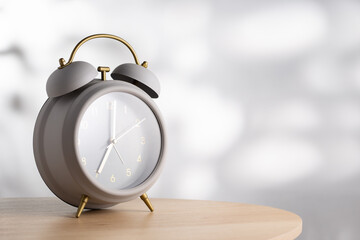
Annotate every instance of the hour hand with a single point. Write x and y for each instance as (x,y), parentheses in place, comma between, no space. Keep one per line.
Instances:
(106,156)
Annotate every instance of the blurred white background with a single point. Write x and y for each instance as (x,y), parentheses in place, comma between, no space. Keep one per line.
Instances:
(261,97)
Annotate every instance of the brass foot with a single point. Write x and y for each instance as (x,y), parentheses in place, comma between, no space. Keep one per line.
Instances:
(84,200)
(146,200)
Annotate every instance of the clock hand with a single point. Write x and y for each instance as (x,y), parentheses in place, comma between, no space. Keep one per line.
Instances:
(118,154)
(113,128)
(127,131)
(107,153)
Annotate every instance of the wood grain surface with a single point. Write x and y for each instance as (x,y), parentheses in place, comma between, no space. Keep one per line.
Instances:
(50,218)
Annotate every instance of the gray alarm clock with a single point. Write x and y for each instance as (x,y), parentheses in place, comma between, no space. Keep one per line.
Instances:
(98,143)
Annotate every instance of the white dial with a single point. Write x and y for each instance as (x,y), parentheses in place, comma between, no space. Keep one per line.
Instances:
(118,141)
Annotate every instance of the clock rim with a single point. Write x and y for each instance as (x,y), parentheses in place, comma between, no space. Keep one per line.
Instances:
(71,130)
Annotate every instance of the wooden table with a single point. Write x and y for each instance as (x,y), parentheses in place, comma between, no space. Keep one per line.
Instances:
(50,218)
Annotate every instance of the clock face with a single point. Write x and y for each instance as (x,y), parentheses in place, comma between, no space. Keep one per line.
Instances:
(118,141)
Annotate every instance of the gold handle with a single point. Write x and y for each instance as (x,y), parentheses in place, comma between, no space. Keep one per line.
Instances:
(62,61)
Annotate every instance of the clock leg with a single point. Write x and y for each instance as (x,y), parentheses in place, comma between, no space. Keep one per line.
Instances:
(146,200)
(84,200)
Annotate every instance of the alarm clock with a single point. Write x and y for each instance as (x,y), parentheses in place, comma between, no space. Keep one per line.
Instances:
(100,142)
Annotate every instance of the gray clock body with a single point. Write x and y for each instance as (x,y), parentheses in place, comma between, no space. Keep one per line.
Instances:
(105,140)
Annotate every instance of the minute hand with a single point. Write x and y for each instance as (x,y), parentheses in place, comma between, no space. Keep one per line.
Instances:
(128,130)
